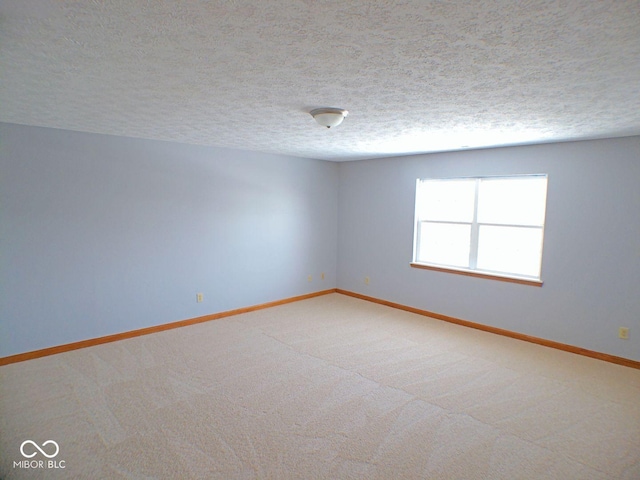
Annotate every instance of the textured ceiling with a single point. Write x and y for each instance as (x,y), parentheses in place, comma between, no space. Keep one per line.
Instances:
(415,75)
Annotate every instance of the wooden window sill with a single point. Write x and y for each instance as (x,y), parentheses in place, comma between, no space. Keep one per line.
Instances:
(472,273)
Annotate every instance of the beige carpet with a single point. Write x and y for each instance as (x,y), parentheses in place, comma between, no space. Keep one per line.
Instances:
(327,388)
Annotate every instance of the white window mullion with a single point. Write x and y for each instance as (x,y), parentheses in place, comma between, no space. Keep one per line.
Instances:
(475,230)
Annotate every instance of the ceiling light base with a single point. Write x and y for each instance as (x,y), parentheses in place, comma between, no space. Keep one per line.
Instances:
(329,117)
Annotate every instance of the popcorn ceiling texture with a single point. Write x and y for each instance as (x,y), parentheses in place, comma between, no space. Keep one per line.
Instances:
(415,75)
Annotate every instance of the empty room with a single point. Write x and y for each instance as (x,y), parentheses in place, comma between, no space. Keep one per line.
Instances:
(297,239)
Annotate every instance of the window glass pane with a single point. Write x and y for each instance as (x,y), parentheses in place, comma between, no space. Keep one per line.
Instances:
(510,250)
(516,201)
(444,243)
(446,200)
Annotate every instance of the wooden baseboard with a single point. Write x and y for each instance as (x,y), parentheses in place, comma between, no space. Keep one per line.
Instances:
(21,357)
(507,333)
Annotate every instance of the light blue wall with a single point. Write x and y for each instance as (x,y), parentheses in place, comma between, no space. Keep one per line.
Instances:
(591,264)
(102,234)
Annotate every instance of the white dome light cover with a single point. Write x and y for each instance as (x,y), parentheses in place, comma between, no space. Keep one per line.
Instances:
(329,117)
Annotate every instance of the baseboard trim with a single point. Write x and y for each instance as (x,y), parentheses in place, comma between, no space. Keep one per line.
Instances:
(45,352)
(499,331)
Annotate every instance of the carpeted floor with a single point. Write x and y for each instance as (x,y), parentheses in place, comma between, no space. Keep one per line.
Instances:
(327,388)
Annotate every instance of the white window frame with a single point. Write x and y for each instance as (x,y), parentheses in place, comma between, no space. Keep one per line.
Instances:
(472,269)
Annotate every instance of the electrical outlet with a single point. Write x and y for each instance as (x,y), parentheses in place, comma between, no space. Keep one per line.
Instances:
(623,333)
(309,278)
(322,276)
(199,297)
(366,280)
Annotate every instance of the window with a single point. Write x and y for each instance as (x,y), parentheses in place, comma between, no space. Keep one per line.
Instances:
(491,225)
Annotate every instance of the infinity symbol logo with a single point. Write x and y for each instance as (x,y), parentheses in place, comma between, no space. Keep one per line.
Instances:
(39,449)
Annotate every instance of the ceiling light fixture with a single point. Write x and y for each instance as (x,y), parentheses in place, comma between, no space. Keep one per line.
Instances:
(329,117)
